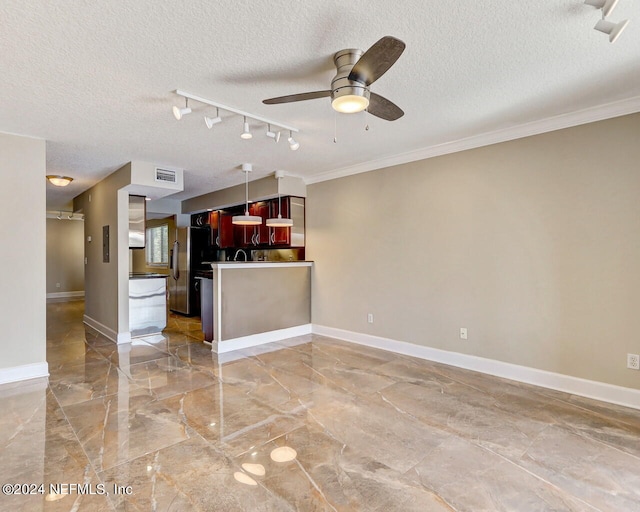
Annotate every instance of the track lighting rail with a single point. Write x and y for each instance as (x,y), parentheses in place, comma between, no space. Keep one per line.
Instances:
(236,111)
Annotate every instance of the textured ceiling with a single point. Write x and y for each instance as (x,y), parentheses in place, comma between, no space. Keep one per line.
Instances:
(95,79)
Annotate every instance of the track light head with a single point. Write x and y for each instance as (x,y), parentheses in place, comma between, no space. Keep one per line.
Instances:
(179,112)
(612,29)
(607,6)
(210,121)
(293,145)
(273,135)
(246,133)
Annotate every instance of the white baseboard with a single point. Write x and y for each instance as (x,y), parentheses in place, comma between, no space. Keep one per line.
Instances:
(618,395)
(66,295)
(259,339)
(24,372)
(116,337)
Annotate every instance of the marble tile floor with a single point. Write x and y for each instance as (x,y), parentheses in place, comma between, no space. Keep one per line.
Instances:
(176,428)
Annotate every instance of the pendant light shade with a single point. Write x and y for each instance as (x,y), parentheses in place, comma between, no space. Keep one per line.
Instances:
(279,221)
(246,219)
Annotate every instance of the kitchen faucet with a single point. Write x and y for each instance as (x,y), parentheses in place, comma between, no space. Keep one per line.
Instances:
(235,258)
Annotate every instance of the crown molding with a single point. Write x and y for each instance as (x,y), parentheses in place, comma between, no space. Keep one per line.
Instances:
(585,116)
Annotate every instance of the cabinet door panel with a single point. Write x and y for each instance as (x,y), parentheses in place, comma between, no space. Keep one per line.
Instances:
(225,230)
(214,223)
(280,236)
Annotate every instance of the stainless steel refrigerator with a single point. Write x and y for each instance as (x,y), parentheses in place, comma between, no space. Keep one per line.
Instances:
(187,253)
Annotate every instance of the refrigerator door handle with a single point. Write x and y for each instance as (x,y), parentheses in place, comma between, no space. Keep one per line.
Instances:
(175,271)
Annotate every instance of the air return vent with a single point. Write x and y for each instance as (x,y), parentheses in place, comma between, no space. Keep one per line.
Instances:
(166,175)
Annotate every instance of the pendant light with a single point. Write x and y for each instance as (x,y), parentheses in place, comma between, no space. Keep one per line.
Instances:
(279,222)
(246,219)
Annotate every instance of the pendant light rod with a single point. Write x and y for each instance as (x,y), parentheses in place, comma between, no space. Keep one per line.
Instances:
(279,221)
(246,219)
(246,171)
(233,110)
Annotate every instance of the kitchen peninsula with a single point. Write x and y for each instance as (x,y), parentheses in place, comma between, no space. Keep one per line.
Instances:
(259,302)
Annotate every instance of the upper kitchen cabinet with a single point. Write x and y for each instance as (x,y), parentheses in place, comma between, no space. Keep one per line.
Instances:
(226,235)
(296,210)
(260,234)
(214,225)
(280,236)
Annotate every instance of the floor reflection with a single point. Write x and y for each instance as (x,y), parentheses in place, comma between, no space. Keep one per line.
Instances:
(310,423)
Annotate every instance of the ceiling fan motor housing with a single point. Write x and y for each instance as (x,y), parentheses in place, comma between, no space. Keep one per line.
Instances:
(341,86)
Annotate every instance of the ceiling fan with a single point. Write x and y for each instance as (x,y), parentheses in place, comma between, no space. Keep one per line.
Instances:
(357,70)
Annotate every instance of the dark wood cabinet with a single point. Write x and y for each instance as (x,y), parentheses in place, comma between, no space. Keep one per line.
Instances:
(280,236)
(226,235)
(214,224)
(226,229)
(260,234)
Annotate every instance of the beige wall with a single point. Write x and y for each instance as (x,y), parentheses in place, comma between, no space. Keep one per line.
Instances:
(65,255)
(107,288)
(533,245)
(22,302)
(262,188)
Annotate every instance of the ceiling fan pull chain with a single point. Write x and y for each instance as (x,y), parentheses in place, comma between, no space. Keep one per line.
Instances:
(366,119)
(335,128)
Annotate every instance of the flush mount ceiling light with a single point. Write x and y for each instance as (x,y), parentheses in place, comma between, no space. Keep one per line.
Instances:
(59,181)
(612,29)
(293,145)
(246,133)
(607,6)
(179,112)
(273,135)
(210,121)
(246,219)
(279,222)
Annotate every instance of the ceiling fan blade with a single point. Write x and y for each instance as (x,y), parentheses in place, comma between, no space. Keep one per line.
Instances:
(377,60)
(381,107)
(297,97)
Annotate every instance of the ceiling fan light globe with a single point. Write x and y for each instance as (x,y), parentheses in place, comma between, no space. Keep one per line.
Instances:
(350,103)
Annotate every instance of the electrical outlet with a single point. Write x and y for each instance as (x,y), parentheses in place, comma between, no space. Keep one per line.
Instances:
(370,318)
(57,285)
(463,333)
(633,361)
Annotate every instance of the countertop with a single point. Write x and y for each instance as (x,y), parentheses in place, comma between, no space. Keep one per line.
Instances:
(146,275)
(258,264)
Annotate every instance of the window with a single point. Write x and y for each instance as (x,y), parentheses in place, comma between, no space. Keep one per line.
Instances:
(157,247)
